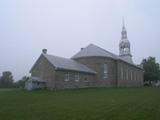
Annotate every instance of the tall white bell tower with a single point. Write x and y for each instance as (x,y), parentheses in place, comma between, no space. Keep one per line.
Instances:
(124,45)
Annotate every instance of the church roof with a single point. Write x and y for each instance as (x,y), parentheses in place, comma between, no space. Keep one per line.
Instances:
(91,50)
(94,51)
(67,64)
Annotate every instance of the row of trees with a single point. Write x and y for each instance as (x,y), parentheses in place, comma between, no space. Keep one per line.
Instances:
(6,80)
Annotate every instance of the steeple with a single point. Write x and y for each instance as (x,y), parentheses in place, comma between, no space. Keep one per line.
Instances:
(124,32)
(124,45)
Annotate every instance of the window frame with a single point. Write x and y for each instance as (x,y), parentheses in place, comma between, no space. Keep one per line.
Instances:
(66,77)
(77,77)
(105,70)
(131,75)
(127,74)
(122,73)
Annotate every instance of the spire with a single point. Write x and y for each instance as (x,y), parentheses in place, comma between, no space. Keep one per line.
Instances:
(124,32)
(124,45)
(123,22)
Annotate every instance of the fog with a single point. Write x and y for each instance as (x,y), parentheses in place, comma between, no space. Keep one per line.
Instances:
(65,26)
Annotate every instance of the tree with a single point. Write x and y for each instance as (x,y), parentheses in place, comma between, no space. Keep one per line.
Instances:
(7,79)
(151,69)
(21,83)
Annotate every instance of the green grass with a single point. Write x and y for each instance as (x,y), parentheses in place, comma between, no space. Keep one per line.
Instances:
(81,104)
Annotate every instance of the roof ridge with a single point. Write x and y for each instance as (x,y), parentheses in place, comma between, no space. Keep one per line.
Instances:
(94,50)
(105,50)
(55,56)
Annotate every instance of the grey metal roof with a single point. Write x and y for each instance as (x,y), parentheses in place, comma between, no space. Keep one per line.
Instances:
(93,50)
(67,64)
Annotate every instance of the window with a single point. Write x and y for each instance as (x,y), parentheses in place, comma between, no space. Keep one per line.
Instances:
(86,78)
(121,73)
(126,74)
(66,77)
(135,75)
(131,75)
(105,71)
(77,77)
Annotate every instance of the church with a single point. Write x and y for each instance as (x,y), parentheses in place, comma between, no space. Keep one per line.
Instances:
(92,66)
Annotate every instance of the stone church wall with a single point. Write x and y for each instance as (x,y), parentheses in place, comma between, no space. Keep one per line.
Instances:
(85,80)
(44,70)
(97,64)
(128,75)
(119,74)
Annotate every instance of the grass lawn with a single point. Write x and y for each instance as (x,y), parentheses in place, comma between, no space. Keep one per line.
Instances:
(81,104)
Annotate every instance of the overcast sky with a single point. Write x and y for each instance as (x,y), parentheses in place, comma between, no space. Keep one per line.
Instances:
(65,26)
